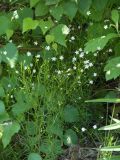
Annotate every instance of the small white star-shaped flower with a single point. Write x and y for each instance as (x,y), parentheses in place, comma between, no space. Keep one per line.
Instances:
(88,13)
(28,54)
(105,26)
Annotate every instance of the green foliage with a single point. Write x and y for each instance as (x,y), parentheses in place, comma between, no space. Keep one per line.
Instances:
(112,68)
(45,67)
(8,131)
(71,114)
(34,156)
(70,138)
(29,24)
(99,43)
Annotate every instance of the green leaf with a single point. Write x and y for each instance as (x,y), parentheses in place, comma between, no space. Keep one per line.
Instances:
(2,107)
(112,68)
(29,23)
(46,25)
(99,5)
(84,6)
(8,132)
(105,100)
(41,9)
(9,33)
(70,9)
(4,24)
(57,12)
(49,38)
(34,156)
(33,3)
(110,149)
(98,43)
(58,34)
(110,127)
(70,138)
(2,92)
(70,114)
(115,16)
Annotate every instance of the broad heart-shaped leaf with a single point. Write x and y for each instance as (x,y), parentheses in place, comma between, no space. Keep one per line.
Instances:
(111,127)
(57,12)
(84,6)
(70,114)
(2,107)
(34,156)
(99,5)
(49,38)
(8,132)
(111,149)
(70,137)
(41,9)
(29,23)
(105,100)
(46,25)
(58,34)
(70,9)
(115,16)
(33,3)
(10,54)
(4,24)
(98,43)
(2,92)
(112,68)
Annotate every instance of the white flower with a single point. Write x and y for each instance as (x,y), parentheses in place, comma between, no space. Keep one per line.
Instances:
(94,74)
(81,55)
(34,70)
(65,30)
(74,59)
(36,43)
(110,50)
(98,48)
(9,85)
(15,15)
(95,126)
(86,66)
(74,67)
(47,48)
(105,26)
(37,56)
(108,72)
(82,70)
(16,72)
(118,65)
(11,96)
(79,27)
(76,52)
(31,64)
(86,62)
(91,81)
(59,72)
(88,13)
(80,49)
(5,52)
(91,64)
(72,38)
(54,59)
(25,67)
(28,54)
(61,58)
(83,129)
(95,54)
